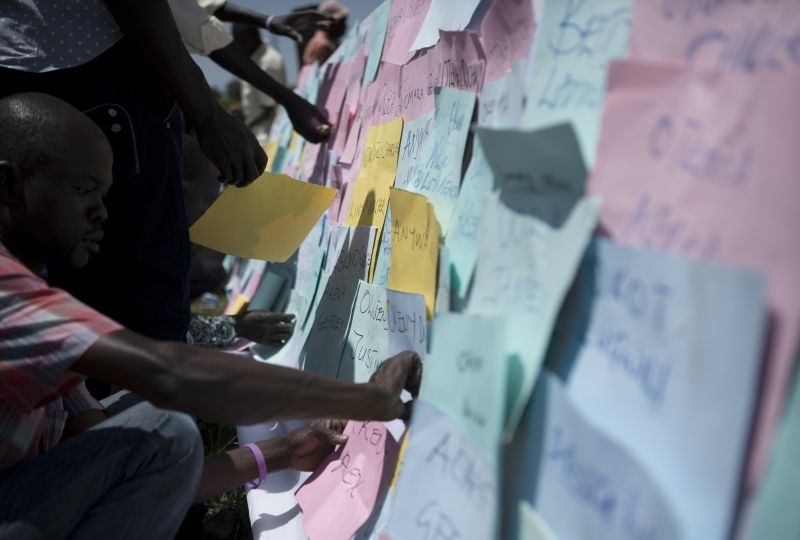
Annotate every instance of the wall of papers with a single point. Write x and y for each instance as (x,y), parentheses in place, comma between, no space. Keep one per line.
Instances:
(583,216)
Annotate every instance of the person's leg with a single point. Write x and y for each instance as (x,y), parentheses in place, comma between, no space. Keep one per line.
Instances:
(132,476)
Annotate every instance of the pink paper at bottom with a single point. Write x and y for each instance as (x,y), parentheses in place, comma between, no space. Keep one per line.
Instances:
(341,494)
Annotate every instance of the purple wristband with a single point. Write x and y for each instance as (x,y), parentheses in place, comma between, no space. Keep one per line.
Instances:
(262,466)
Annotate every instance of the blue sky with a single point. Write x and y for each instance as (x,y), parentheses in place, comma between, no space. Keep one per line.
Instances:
(219,77)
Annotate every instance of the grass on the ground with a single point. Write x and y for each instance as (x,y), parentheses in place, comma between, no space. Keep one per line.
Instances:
(217,439)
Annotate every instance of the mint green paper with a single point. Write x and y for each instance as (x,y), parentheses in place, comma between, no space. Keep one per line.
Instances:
(325,335)
(774,513)
(438,171)
(525,268)
(573,44)
(465,377)
(378,21)
(462,236)
(501,101)
(383,323)
(415,134)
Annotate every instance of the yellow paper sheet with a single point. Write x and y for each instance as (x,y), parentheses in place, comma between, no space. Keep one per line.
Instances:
(415,246)
(236,307)
(271,149)
(266,220)
(378,167)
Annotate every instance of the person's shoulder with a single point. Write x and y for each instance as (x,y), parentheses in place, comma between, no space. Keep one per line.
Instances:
(11,267)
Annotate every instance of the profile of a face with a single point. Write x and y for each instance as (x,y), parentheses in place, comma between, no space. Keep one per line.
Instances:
(55,169)
(63,200)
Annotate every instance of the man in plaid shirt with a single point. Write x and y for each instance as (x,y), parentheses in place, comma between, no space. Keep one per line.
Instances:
(67,467)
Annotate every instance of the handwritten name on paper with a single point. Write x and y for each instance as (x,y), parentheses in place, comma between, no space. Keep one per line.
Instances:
(645,301)
(383,324)
(350,253)
(662,338)
(447,488)
(340,496)
(324,337)
(370,197)
(466,377)
(462,235)
(415,246)
(436,172)
(684,145)
(586,31)
(457,61)
(586,484)
(748,36)
(575,41)
(415,135)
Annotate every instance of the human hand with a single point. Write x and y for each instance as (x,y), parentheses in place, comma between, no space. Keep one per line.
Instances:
(232,149)
(320,47)
(402,371)
(307,447)
(265,327)
(292,24)
(308,120)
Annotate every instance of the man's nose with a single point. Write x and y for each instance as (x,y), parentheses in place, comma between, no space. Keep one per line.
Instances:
(98,212)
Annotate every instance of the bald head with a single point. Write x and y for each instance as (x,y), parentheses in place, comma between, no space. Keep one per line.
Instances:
(55,167)
(35,128)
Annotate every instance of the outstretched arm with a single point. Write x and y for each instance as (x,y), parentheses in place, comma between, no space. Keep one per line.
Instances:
(237,14)
(307,119)
(229,389)
(290,25)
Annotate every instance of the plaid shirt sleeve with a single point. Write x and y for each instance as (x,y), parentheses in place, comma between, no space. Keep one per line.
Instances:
(43,331)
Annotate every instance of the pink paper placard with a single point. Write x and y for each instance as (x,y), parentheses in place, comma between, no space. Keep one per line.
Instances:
(507,35)
(751,36)
(457,61)
(341,494)
(405,19)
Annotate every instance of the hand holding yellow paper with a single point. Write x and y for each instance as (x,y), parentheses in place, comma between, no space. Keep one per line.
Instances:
(415,246)
(266,220)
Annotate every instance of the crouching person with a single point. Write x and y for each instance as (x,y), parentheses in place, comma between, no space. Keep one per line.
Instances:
(70,467)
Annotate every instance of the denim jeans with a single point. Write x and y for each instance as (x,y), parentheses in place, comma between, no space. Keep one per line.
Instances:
(132,476)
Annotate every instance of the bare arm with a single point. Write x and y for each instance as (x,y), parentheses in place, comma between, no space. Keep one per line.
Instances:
(236,14)
(229,470)
(289,25)
(229,389)
(227,142)
(302,449)
(307,119)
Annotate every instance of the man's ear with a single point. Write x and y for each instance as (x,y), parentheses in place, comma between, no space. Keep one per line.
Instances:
(9,175)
